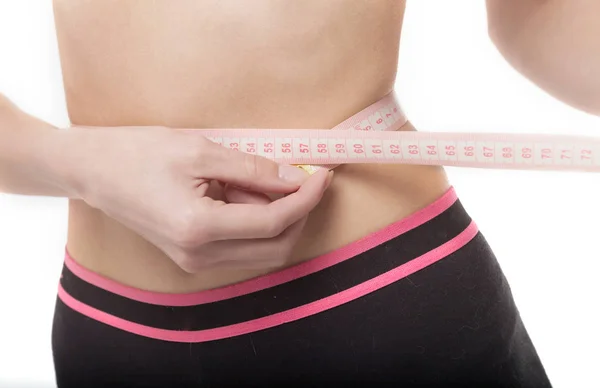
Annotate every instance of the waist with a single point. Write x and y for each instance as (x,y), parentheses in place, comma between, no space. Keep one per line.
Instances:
(359,268)
(360,200)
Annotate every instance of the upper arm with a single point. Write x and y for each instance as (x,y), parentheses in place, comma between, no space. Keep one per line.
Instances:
(554,43)
(507,20)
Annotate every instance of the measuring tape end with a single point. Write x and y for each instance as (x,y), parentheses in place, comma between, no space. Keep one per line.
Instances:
(308,168)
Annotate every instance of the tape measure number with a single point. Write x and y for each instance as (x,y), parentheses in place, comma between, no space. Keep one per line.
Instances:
(506,151)
(371,136)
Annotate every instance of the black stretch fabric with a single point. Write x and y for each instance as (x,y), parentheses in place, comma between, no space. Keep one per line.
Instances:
(452,324)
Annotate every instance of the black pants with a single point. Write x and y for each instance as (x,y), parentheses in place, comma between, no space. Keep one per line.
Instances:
(446,318)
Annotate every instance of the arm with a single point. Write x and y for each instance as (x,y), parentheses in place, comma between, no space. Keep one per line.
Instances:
(554,43)
(33,156)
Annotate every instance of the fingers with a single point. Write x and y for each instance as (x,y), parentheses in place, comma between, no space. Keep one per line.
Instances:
(253,254)
(248,221)
(215,190)
(250,172)
(237,195)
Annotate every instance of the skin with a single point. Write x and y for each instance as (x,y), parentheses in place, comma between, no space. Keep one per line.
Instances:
(554,43)
(201,64)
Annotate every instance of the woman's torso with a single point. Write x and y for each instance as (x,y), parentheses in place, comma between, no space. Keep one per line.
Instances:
(217,63)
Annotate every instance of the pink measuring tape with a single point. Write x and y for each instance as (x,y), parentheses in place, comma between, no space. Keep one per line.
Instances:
(371,136)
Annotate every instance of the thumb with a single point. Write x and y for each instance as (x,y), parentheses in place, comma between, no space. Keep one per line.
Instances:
(251,172)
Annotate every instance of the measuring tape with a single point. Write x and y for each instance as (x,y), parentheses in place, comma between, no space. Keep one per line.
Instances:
(371,136)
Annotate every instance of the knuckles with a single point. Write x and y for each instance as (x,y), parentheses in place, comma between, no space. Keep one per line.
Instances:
(251,165)
(188,231)
(272,228)
(196,150)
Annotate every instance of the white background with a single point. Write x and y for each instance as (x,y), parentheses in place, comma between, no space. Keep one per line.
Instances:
(542,226)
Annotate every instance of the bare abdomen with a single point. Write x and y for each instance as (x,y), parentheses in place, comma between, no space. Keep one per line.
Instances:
(264,63)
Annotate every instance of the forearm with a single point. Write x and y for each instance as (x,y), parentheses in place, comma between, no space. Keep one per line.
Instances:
(33,155)
(554,43)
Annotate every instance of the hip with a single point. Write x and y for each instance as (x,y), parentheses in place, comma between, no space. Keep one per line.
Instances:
(421,301)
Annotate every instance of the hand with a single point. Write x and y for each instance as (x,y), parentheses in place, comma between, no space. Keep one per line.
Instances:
(161,183)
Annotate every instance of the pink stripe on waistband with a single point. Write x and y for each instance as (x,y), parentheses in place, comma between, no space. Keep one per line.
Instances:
(283,317)
(270,280)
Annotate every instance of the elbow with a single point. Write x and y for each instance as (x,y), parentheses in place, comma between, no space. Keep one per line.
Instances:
(572,83)
(505,40)
(494,32)
(4,103)
(589,105)
(6,107)
(507,25)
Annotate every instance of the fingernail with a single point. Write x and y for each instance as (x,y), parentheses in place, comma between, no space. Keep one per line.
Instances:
(330,177)
(292,174)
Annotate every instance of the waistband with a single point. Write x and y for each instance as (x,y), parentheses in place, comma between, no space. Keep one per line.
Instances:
(330,280)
